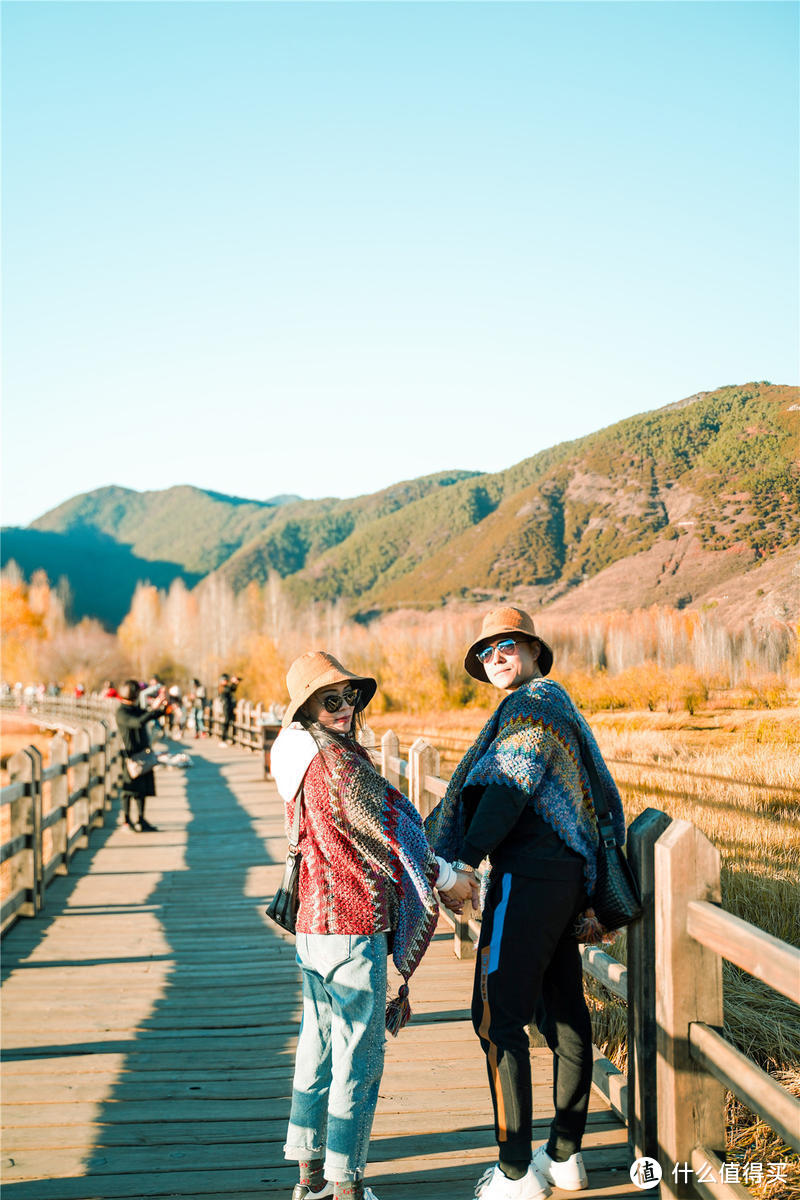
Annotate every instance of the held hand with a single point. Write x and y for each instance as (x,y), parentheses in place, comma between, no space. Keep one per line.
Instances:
(476,893)
(465,888)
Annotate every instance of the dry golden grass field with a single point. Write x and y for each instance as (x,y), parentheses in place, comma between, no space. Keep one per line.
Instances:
(735,773)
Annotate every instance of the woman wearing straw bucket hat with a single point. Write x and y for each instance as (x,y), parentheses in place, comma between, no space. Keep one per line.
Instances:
(366,888)
(522,798)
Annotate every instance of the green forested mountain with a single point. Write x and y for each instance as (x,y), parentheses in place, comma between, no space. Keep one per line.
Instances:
(686,496)
(194,529)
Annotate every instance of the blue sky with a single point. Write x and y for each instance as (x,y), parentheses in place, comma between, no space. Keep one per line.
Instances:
(320,247)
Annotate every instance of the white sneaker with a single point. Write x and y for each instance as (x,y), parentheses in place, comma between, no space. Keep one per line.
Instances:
(303,1192)
(569,1175)
(369,1194)
(494,1185)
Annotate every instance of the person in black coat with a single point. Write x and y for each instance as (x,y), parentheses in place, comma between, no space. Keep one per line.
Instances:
(132,725)
(227,694)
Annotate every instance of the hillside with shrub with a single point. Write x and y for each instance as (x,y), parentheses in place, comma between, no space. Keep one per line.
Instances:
(676,506)
(708,488)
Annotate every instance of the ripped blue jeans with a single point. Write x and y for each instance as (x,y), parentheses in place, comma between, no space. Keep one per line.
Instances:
(340,1050)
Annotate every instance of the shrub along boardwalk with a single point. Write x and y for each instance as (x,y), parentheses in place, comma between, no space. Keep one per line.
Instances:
(150,1016)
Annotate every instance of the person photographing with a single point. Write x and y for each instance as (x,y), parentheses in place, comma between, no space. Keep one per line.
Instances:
(132,722)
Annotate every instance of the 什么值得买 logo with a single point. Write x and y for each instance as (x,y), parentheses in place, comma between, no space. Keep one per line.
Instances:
(646,1173)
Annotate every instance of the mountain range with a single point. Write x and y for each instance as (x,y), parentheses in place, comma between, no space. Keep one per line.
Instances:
(692,505)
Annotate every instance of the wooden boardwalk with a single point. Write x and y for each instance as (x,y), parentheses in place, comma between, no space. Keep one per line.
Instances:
(150,1016)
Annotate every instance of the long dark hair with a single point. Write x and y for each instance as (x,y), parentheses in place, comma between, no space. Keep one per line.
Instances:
(325,737)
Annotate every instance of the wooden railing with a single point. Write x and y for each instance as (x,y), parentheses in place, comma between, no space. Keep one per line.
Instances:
(50,810)
(679,1064)
(695,1062)
(250,724)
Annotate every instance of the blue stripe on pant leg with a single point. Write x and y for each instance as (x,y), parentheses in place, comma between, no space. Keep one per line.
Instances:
(497,928)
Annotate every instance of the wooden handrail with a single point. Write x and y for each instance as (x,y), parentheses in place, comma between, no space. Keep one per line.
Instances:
(12,792)
(759,953)
(754,1087)
(436,786)
(63,801)
(696,1064)
(700,1159)
(606,970)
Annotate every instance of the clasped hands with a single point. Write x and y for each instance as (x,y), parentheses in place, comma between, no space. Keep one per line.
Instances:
(466,887)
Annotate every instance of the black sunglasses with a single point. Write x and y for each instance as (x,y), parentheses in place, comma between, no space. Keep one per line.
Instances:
(349,696)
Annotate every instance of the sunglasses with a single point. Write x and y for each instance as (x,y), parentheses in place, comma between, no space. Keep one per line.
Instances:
(505,646)
(350,697)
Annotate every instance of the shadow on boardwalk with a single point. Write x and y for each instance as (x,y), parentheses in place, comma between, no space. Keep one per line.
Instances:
(185,995)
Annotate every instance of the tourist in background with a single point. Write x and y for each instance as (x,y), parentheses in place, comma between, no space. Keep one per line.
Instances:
(152,693)
(175,714)
(521,797)
(367,880)
(227,695)
(132,722)
(198,706)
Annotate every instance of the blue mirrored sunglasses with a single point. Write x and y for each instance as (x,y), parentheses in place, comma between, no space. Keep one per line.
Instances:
(505,646)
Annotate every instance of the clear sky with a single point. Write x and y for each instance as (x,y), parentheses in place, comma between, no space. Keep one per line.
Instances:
(321,247)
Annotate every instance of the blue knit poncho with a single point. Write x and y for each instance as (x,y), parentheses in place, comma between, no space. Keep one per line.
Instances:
(533,742)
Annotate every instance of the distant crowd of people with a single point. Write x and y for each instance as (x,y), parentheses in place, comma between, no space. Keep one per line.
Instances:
(28,694)
(187,711)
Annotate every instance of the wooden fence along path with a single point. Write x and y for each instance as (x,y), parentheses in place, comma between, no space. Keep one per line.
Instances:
(151,1010)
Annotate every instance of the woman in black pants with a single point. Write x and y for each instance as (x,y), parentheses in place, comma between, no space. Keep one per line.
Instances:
(521,797)
(227,694)
(132,725)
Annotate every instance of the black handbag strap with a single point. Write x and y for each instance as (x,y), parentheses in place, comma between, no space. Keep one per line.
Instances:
(599,802)
(295,830)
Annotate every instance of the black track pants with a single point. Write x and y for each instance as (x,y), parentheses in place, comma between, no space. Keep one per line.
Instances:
(529,968)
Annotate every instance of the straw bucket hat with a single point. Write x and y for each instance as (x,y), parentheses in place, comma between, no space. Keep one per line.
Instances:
(317,669)
(512,621)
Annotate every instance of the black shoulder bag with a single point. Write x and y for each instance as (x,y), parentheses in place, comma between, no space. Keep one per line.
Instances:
(616,900)
(282,908)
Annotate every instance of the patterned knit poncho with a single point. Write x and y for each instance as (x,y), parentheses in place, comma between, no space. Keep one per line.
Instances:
(367,866)
(533,742)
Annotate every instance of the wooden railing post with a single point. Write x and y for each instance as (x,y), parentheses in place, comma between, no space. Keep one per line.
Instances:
(390,748)
(26,767)
(81,744)
(367,739)
(108,780)
(59,797)
(36,798)
(691,1102)
(114,761)
(97,772)
(642,1050)
(423,759)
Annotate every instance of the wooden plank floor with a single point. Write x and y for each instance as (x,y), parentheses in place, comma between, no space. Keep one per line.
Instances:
(150,1016)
